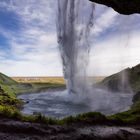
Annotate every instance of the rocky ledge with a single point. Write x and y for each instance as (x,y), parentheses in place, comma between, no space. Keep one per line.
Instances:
(15,130)
(126,7)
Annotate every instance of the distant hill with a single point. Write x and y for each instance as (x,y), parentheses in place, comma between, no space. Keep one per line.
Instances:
(8,92)
(6,80)
(124,80)
(14,86)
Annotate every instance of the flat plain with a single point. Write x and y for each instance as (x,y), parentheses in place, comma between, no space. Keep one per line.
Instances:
(56,80)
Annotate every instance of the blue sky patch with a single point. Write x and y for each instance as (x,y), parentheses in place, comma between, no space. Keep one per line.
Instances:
(4,42)
(9,20)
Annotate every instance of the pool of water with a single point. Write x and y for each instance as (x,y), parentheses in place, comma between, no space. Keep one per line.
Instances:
(60,104)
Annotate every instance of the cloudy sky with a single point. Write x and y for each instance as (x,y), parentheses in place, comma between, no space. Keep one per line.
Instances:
(28,43)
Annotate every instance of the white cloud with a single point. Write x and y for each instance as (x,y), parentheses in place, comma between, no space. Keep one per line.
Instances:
(34,49)
(35,46)
(104,21)
(111,56)
(33,64)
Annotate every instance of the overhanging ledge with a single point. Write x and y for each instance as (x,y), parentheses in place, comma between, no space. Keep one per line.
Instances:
(125,7)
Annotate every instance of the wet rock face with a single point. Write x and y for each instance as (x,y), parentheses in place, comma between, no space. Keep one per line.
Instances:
(126,7)
(125,80)
(119,82)
(136,97)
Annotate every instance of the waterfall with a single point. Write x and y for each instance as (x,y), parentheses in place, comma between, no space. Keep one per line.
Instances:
(74,21)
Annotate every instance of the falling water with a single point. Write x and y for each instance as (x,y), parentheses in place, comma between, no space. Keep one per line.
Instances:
(74,20)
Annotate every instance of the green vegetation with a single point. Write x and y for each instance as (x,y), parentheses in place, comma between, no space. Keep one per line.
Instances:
(12,112)
(52,80)
(135,78)
(90,117)
(20,88)
(43,86)
(130,116)
(132,76)
(56,80)
(5,80)
(12,87)
(119,82)
(9,104)
(133,114)
(8,100)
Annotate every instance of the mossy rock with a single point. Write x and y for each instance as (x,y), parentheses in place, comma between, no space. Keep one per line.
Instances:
(127,80)
(130,116)
(136,97)
(6,80)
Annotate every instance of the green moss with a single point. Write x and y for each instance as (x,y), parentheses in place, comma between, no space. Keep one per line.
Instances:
(11,101)
(12,112)
(14,90)
(7,99)
(130,116)
(9,111)
(85,117)
(9,104)
(6,80)
(9,90)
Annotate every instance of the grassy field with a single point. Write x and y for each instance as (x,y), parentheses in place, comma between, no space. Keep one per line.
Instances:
(52,80)
(56,80)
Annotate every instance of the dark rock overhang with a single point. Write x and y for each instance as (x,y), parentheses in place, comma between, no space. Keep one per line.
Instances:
(125,7)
